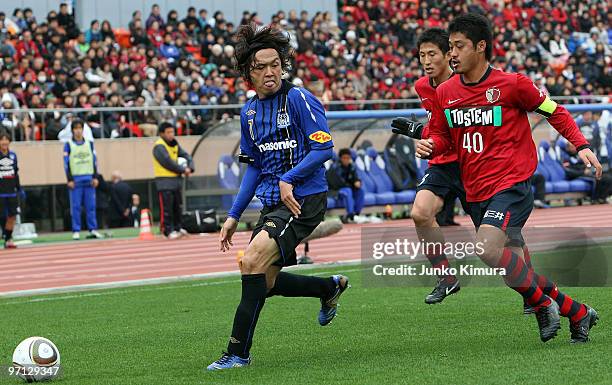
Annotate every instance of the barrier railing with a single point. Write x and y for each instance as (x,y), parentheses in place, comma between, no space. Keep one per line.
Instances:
(109,122)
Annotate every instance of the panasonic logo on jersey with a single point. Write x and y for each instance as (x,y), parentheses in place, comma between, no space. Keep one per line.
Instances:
(275,146)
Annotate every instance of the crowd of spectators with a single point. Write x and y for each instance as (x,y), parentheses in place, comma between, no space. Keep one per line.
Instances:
(183,59)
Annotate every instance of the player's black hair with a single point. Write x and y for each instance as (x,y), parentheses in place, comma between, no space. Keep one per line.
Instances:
(76,122)
(5,134)
(163,126)
(476,28)
(437,36)
(251,40)
(344,151)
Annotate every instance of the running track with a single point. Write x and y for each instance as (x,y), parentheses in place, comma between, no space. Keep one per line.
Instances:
(95,264)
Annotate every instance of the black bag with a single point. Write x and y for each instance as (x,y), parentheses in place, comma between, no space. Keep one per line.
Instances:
(200,221)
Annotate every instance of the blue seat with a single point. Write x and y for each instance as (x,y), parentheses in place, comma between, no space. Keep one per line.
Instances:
(229,175)
(376,168)
(554,172)
(366,181)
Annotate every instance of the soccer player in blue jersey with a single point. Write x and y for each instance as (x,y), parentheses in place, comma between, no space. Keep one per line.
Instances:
(285,141)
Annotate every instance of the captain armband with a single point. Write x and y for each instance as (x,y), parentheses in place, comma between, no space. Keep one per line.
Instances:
(547,108)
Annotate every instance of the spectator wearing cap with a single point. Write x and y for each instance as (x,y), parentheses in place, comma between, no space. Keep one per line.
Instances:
(80,165)
(168,169)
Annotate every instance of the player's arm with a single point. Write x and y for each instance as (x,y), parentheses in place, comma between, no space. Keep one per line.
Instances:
(250,180)
(410,127)
(67,163)
(313,123)
(94,181)
(248,185)
(439,134)
(532,99)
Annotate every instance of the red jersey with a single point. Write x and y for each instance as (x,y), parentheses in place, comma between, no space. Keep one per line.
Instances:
(487,124)
(427,94)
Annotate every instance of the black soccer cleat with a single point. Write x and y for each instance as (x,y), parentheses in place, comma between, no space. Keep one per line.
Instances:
(580,330)
(528,309)
(549,321)
(442,290)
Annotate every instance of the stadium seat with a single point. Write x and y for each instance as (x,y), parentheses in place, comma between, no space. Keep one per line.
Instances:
(229,174)
(376,168)
(561,155)
(366,181)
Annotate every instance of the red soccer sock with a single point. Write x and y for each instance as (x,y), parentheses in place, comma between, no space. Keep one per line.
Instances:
(441,262)
(521,279)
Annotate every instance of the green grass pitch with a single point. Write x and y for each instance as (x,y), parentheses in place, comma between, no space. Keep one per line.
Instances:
(168,334)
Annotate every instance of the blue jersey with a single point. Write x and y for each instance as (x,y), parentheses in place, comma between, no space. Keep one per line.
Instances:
(277,133)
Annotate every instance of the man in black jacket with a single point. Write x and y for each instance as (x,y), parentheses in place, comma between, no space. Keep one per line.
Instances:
(342,178)
(120,202)
(170,161)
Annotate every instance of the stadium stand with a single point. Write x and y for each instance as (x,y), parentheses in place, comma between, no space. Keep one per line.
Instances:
(369,53)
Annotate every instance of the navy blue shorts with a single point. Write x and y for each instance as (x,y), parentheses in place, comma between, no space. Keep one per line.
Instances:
(287,231)
(444,180)
(8,206)
(508,210)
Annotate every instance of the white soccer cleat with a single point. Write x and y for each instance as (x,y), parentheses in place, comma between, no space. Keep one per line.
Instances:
(76,236)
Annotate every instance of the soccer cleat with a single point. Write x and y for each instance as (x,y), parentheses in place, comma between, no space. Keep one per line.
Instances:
(93,234)
(228,361)
(528,309)
(329,307)
(548,320)
(76,236)
(183,232)
(9,244)
(174,235)
(580,330)
(442,290)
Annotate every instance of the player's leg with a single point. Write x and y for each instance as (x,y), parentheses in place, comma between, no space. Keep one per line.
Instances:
(11,214)
(89,196)
(581,317)
(177,210)
(428,202)
(506,213)
(76,201)
(289,233)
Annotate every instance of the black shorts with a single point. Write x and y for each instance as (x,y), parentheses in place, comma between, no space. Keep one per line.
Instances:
(8,206)
(507,210)
(288,231)
(444,180)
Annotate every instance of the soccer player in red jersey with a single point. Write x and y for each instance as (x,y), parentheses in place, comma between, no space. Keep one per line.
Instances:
(482,113)
(442,179)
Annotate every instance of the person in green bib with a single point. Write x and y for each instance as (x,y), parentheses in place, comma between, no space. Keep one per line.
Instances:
(80,165)
(170,162)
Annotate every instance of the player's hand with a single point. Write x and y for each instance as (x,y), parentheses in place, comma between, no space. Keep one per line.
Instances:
(408,127)
(187,171)
(126,213)
(95,182)
(590,160)
(357,184)
(424,148)
(227,232)
(71,185)
(286,193)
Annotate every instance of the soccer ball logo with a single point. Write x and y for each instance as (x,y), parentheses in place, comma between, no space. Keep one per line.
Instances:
(492,95)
